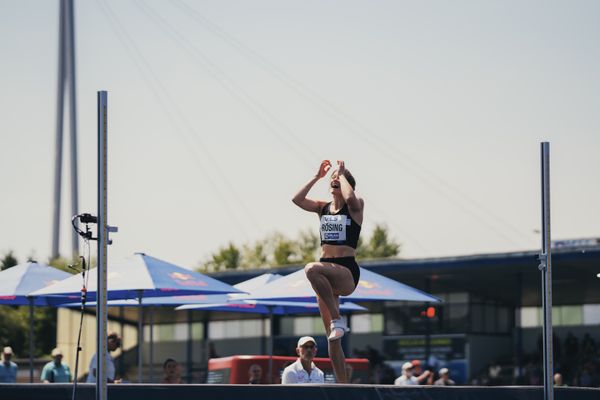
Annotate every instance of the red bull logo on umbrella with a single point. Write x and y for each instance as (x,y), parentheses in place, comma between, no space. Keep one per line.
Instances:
(372,288)
(186,279)
(367,284)
(299,282)
(51,282)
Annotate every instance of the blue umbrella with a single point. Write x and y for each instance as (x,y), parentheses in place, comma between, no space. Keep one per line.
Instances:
(138,277)
(17,282)
(275,307)
(371,287)
(242,288)
(231,302)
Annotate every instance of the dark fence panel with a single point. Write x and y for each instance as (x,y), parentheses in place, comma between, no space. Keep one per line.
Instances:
(292,392)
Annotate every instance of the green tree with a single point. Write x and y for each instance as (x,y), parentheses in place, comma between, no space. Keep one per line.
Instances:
(380,245)
(8,260)
(255,256)
(283,250)
(14,329)
(362,250)
(307,246)
(63,264)
(228,257)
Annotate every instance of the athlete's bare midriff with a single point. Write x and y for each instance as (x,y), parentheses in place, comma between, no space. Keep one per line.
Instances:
(330,251)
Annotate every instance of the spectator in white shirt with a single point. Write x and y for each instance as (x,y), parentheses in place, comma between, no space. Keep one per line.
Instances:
(304,370)
(407,378)
(114,342)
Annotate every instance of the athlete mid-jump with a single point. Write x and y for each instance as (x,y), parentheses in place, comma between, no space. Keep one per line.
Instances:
(336,273)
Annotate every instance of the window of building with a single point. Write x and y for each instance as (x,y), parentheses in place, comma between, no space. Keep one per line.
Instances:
(569,315)
(286,326)
(303,326)
(367,323)
(197,330)
(591,314)
(530,317)
(234,329)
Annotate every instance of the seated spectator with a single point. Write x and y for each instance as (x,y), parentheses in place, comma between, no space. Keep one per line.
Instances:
(558,380)
(56,371)
(494,371)
(407,378)
(444,378)
(254,374)
(422,376)
(8,369)
(171,370)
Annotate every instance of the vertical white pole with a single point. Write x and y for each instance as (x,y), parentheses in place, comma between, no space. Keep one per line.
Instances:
(70,58)
(58,145)
(546,269)
(101,296)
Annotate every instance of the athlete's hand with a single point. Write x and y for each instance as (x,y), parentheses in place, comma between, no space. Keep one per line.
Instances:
(323,168)
(341,168)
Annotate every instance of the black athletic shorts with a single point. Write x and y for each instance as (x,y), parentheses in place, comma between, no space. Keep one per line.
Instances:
(348,262)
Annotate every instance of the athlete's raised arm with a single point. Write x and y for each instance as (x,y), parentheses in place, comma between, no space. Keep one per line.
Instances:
(300,198)
(355,204)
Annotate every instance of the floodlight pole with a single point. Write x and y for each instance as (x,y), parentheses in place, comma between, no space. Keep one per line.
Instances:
(101,296)
(66,78)
(546,269)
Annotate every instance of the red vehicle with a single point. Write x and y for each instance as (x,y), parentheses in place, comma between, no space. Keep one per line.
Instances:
(235,369)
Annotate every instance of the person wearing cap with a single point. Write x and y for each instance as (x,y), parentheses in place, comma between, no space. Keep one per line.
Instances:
(422,376)
(56,371)
(8,369)
(444,378)
(114,342)
(304,370)
(407,378)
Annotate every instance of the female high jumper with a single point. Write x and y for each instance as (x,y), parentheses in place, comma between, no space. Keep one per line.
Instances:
(337,273)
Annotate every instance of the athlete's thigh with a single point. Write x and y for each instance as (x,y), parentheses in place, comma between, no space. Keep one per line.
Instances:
(339,277)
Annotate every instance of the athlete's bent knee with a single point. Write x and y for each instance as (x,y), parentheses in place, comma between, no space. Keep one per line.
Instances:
(311,270)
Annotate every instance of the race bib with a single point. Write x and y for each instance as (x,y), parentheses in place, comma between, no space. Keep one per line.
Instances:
(333,227)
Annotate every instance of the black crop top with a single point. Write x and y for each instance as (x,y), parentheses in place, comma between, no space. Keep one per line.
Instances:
(338,229)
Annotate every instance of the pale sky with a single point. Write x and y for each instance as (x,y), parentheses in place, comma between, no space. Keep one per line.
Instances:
(219,111)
